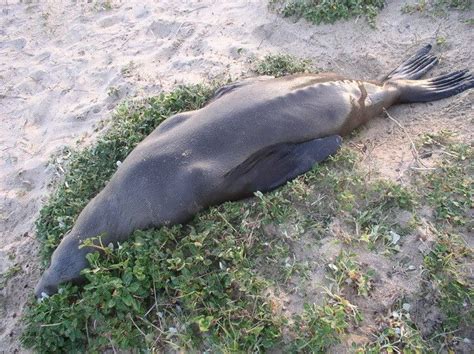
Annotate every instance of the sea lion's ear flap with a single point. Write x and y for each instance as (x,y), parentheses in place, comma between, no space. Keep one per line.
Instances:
(275,165)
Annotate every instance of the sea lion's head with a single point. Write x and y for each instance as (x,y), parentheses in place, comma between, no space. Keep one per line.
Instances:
(67,262)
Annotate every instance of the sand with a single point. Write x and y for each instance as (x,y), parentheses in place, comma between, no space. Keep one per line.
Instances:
(65,65)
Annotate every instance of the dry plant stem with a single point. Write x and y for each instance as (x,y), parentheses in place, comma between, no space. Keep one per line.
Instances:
(414,151)
(136,326)
(227,222)
(87,332)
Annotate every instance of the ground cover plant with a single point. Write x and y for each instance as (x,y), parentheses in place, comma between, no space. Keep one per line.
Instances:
(282,64)
(450,192)
(329,11)
(219,283)
(436,7)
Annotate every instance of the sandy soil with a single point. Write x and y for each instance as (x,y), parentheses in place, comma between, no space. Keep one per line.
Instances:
(64,66)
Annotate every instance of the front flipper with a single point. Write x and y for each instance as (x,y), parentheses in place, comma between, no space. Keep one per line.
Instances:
(273,166)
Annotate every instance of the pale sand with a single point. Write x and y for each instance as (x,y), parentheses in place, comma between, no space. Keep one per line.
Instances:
(65,65)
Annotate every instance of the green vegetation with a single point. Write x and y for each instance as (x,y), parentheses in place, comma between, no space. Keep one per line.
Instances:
(398,334)
(186,286)
(447,272)
(369,210)
(329,11)
(103,5)
(450,192)
(347,271)
(419,6)
(436,7)
(203,286)
(450,189)
(10,273)
(319,327)
(282,64)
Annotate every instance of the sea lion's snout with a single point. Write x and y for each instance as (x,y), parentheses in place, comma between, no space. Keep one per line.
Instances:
(52,278)
(46,286)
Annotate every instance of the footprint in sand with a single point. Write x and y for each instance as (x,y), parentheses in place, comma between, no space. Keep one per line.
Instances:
(171,30)
(17,44)
(110,21)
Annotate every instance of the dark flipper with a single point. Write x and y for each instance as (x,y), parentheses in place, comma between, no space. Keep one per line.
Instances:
(414,67)
(277,164)
(435,88)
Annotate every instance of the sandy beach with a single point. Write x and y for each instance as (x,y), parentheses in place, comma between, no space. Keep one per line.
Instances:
(66,65)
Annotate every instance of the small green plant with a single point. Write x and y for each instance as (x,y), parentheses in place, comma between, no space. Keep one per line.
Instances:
(10,273)
(441,40)
(371,208)
(320,327)
(419,6)
(103,5)
(436,7)
(451,194)
(436,140)
(455,4)
(396,334)
(45,16)
(281,64)
(127,70)
(276,207)
(450,188)
(375,217)
(113,91)
(346,271)
(446,270)
(327,11)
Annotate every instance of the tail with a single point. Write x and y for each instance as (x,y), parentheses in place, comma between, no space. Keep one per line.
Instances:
(405,79)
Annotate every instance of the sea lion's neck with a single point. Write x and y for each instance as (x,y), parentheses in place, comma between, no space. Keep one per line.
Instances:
(101,218)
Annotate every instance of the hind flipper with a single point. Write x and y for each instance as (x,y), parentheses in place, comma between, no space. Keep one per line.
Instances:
(273,166)
(414,67)
(435,88)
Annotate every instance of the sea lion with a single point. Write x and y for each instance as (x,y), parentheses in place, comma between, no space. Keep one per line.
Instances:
(255,135)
